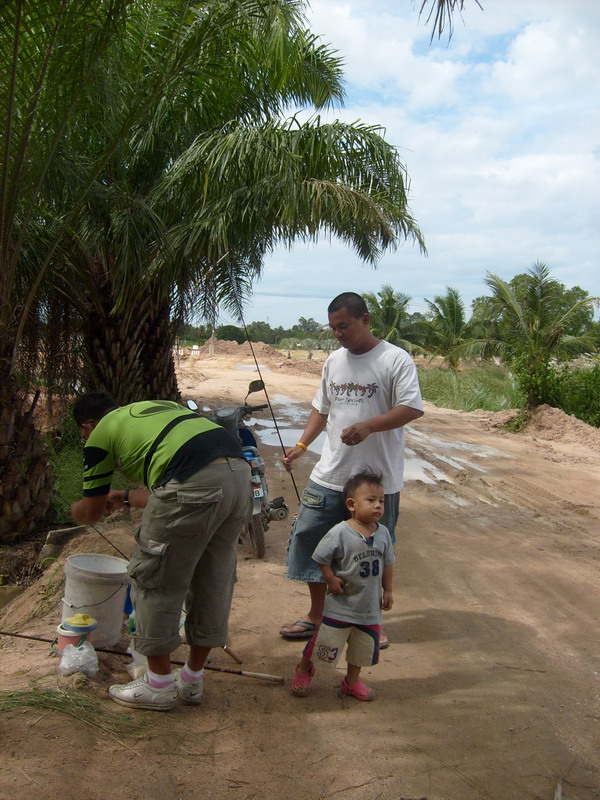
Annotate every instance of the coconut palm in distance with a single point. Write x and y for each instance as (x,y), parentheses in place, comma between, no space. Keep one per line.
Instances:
(390,320)
(532,329)
(447,327)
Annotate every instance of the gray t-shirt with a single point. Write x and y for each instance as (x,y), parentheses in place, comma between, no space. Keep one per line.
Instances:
(359,562)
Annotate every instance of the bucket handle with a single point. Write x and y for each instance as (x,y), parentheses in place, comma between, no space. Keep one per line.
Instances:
(93,605)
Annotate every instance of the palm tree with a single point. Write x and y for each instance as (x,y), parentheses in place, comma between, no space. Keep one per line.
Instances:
(534,327)
(45,74)
(448,329)
(388,310)
(60,133)
(184,213)
(442,12)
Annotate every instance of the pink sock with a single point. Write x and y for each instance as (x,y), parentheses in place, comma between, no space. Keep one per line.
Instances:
(190,675)
(160,681)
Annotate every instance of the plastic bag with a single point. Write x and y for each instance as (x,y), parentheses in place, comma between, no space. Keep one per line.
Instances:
(79,659)
(139,664)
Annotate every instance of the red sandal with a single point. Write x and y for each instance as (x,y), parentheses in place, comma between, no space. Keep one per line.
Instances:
(358,690)
(300,684)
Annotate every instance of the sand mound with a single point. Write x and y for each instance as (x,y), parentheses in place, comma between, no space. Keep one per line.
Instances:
(304,367)
(552,423)
(223,348)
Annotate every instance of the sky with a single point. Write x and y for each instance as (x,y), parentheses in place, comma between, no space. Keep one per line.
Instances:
(499,130)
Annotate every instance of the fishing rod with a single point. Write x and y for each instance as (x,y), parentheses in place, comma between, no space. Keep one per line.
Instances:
(244,673)
(243,321)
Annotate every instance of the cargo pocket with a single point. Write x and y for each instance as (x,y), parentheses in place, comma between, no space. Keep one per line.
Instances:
(194,509)
(147,564)
(313,499)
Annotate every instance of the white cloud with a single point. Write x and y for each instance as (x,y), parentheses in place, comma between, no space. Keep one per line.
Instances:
(499,131)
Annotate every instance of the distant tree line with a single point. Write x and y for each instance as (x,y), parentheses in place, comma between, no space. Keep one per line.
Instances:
(304,329)
(533,324)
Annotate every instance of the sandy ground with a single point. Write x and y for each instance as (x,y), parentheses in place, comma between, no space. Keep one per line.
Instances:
(490,689)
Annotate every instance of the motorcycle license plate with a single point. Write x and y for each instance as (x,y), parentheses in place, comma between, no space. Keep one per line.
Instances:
(258,491)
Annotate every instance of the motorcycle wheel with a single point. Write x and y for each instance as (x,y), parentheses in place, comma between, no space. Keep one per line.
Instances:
(256,529)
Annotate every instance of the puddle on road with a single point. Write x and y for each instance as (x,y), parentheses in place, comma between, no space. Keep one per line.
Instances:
(477,449)
(252,367)
(416,467)
(289,436)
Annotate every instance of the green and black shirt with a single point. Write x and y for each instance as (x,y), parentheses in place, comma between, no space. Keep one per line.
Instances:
(152,442)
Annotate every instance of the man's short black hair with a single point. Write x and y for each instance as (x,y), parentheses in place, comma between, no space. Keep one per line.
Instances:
(366,475)
(92,406)
(351,301)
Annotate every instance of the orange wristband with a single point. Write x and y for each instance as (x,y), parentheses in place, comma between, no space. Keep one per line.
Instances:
(302,445)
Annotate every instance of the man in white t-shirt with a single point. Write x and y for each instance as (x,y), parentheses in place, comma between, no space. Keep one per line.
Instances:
(369,391)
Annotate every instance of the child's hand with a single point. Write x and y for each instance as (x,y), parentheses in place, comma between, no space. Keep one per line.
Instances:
(335,585)
(387,601)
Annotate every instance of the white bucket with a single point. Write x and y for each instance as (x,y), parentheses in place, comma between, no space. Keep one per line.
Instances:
(97,585)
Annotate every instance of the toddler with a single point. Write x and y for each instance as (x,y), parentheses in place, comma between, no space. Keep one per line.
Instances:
(356,558)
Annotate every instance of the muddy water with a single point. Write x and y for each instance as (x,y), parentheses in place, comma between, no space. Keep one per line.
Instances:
(428,458)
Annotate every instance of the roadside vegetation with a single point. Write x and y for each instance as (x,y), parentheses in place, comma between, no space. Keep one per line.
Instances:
(486,386)
(530,341)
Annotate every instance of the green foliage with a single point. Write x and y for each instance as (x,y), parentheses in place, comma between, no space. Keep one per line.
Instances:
(577,392)
(488,386)
(231,333)
(193,334)
(529,323)
(390,319)
(66,457)
(447,328)
(308,327)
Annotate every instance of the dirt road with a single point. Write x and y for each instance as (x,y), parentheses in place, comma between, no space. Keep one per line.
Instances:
(489,691)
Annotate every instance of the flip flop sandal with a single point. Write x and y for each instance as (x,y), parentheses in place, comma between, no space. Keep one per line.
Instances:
(300,684)
(358,690)
(308,629)
(384,642)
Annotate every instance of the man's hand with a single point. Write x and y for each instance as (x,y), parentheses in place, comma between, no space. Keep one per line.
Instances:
(396,418)
(291,454)
(356,433)
(115,500)
(387,601)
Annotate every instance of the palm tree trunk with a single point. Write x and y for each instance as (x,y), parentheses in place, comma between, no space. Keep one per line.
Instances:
(130,354)
(26,475)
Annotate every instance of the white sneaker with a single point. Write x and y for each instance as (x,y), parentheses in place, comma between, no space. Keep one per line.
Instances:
(189,692)
(139,694)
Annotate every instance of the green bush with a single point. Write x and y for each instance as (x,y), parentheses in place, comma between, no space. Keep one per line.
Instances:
(577,392)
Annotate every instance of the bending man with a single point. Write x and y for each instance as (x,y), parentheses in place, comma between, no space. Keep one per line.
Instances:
(196,499)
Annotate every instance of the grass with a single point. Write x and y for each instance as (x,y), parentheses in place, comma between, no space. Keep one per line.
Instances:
(73,704)
(67,465)
(486,386)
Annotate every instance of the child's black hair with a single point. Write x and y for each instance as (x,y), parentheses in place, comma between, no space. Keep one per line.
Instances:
(366,475)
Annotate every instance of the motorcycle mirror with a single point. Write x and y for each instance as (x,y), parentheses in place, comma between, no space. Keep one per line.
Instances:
(256,386)
(192,405)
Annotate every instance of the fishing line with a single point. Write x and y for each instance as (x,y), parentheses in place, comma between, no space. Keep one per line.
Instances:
(67,504)
(239,306)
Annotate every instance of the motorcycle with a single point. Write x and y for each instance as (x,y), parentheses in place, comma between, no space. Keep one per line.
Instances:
(264,509)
